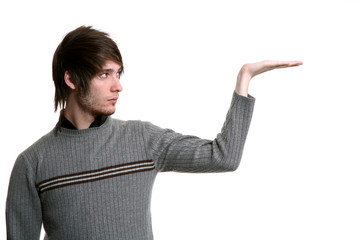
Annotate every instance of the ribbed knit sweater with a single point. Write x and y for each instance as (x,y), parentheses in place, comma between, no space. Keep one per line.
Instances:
(96,183)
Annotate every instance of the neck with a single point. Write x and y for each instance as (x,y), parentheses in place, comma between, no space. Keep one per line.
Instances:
(77,116)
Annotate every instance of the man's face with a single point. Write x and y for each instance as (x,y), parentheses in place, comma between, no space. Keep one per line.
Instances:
(103,91)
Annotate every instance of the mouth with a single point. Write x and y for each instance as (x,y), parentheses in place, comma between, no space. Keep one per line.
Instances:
(113,100)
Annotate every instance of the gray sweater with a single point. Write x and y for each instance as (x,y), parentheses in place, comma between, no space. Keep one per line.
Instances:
(96,183)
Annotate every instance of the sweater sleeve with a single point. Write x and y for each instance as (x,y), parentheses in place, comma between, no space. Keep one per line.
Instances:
(172,151)
(23,207)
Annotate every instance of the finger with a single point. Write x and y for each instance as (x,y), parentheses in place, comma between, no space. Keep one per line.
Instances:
(295,63)
(281,64)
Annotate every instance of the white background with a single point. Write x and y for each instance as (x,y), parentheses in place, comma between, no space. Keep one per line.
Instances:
(299,177)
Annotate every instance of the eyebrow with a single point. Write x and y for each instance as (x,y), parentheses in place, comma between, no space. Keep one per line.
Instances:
(110,70)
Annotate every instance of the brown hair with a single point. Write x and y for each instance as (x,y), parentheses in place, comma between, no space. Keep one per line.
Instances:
(82,53)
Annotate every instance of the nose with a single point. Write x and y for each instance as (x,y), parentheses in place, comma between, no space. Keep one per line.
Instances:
(116,86)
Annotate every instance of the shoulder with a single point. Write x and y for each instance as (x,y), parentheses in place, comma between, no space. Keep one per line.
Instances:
(40,143)
(133,128)
(126,124)
(29,157)
(138,128)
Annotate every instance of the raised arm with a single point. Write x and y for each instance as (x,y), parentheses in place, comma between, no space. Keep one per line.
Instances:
(175,152)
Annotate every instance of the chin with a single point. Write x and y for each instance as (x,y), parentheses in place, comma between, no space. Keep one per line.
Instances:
(104,112)
(108,113)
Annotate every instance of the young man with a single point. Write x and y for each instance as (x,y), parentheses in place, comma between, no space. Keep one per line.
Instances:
(91,176)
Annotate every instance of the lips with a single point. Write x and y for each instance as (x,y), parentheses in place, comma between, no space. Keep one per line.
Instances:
(113,100)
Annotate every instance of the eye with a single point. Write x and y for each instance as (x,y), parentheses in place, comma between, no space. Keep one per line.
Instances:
(104,75)
(118,74)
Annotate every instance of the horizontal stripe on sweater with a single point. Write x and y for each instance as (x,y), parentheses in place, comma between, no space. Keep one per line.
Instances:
(95,175)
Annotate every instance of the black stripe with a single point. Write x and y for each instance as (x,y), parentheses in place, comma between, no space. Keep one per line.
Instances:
(92,171)
(58,181)
(95,175)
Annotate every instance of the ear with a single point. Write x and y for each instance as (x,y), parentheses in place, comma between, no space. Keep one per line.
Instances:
(69,81)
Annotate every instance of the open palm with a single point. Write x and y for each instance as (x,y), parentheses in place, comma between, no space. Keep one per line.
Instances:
(250,70)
